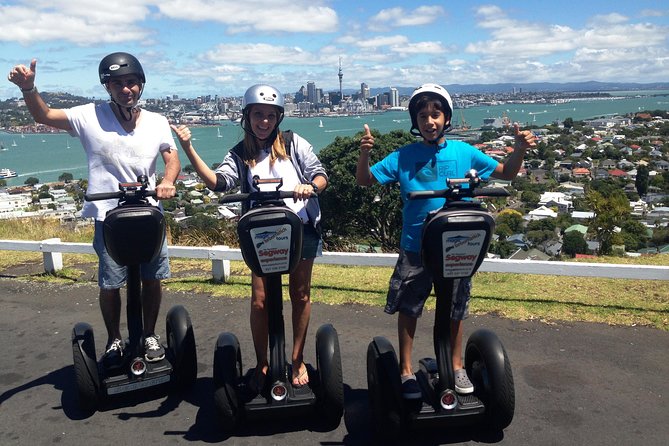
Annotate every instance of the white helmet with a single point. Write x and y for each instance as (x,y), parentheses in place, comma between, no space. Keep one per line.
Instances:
(261,94)
(431,90)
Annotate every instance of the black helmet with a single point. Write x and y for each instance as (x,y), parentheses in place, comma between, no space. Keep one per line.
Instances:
(120,64)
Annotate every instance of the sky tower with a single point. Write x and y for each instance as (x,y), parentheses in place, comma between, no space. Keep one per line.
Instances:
(341,75)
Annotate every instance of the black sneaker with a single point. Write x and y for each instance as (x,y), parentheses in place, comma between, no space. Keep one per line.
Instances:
(153,351)
(410,388)
(113,356)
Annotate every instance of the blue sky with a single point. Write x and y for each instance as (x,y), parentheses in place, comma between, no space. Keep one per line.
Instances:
(197,47)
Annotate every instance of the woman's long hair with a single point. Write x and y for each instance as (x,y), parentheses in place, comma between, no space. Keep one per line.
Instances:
(252,149)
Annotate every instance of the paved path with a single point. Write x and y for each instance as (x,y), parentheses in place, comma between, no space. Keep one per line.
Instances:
(576,383)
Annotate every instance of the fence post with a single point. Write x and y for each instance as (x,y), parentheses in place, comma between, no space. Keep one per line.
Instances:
(220,268)
(53,261)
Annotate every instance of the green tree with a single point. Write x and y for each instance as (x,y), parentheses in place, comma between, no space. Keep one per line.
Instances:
(502,248)
(530,198)
(610,212)
(568,123)
(641,182)
(511,219)
(31,181)
(372,214)
(634,234)
(573,243)
(65,177)
(545,224)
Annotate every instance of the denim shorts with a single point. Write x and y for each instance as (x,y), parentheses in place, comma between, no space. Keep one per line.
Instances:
(111,275)
(411,284)
(312,245)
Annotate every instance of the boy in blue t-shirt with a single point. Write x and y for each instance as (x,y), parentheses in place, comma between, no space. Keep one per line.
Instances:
(426,165)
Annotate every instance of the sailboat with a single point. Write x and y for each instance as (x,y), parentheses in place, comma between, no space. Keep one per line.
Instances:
(13,143)
(219,133)
(320,124)
(68,144)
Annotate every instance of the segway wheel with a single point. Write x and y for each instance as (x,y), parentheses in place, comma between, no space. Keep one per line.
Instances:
(181,342)
(328,361)
(227,375)
(85,367)
(488,366)
(385,389)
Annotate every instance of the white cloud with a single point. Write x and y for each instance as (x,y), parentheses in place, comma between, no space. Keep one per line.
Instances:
(266,54)
(82,22)
(399,17)
(256,15)
(608,19)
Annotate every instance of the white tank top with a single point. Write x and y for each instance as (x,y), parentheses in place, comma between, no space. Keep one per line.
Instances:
(281,169)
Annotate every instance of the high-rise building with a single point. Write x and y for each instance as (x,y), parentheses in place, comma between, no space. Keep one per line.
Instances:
(312,93)
(364,91)
(394,97)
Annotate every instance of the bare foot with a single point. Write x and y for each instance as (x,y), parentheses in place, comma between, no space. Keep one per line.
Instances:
(300,375)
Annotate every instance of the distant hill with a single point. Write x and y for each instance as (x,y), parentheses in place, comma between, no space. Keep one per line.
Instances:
(552,87)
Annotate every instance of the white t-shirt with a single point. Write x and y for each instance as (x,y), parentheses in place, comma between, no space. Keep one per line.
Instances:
(281,169)
(114,155)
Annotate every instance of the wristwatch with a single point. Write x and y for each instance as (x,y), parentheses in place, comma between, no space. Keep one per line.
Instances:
(314,186)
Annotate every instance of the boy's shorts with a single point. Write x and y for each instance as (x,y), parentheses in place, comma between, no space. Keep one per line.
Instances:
(111,275)
(312,245)
(411,284)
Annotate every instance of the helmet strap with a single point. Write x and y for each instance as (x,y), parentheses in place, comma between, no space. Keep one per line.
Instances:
(128,110)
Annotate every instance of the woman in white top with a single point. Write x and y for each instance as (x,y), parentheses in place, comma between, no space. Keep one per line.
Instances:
(269,153)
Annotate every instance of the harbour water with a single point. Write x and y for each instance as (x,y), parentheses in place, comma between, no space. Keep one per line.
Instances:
(47,156)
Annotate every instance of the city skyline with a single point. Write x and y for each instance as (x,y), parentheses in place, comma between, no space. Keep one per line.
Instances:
(219,47)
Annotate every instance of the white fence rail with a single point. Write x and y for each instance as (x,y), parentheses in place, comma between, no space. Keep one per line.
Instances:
(220,256)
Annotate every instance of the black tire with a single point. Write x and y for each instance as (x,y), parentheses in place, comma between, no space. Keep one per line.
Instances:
(227,375)
(86,375)
(384,388)
(489,368)
(328,361)
(181,342)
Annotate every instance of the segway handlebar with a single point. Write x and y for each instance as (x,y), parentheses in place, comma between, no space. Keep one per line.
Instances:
(127,191)
(261,196)
(454,190)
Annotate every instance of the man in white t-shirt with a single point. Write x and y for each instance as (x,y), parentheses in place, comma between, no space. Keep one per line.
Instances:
(121,142)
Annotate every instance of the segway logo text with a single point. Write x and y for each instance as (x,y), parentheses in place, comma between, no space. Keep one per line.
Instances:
(273,252)
(460,258)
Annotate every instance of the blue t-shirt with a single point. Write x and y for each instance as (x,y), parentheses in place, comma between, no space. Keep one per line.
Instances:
(418,167)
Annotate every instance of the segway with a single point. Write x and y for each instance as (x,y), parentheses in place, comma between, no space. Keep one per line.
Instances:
(455,242)
(133,234)
(270,237)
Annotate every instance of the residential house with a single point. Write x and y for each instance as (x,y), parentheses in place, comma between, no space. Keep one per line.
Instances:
(580,172)
(661,165)
(617,173)
(540,213)
(530,254)
(608,164)
(601,174)
(580,228)
(520,240)
(555,199)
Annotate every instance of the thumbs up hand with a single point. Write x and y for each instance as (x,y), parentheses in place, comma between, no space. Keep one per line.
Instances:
(524,139)
(367,140)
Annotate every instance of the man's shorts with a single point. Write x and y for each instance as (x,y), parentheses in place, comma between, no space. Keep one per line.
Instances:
(411,284)
(312,245)
(111,275)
